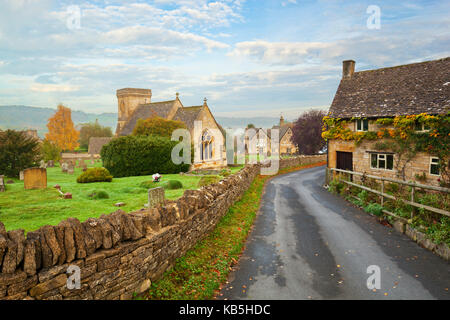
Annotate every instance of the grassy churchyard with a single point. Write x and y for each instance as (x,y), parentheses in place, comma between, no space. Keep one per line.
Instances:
(31,209)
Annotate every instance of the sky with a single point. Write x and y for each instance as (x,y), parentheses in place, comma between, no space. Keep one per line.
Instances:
(247,57)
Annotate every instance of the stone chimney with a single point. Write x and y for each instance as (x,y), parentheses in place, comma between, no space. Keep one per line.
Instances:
(348,69)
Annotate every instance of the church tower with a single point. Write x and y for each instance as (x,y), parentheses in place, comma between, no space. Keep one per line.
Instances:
(128,100)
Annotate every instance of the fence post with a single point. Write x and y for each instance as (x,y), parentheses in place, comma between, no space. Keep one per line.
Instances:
(382,191)
(412,200)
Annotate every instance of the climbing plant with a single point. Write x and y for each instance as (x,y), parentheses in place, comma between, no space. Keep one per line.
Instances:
(404,135)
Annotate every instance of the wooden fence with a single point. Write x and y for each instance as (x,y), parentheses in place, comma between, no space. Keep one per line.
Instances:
(384,195)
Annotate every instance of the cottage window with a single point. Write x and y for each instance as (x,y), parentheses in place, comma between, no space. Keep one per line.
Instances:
(434,166)
(422,127)
(382,161)
(362,125)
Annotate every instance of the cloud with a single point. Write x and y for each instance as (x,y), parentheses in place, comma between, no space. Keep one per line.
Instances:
(41,87)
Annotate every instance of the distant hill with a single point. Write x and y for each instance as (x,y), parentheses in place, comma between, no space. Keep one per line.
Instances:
(25,117)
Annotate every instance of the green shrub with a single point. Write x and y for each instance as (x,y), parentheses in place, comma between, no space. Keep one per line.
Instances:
(207,180)
(140,155)
(172,185)
(95,175)
(225,172)
(375,209)
(149,184)
(363,196)
(98,194)
(336,186)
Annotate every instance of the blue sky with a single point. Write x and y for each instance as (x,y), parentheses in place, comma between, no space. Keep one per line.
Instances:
(248,57)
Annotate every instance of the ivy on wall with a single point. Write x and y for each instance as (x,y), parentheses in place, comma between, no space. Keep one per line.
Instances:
(404,135)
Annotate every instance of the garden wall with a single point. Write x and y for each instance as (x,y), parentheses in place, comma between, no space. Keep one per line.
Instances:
(118,254)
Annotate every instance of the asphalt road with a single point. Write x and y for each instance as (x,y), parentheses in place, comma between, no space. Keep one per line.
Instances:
(309,244)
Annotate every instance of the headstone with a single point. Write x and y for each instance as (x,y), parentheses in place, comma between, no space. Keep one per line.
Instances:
(64,167)
(21,175)
(155,196)
(70,169)
(35,178)
(42,164)
(50,164)
(81,164)
(2,184)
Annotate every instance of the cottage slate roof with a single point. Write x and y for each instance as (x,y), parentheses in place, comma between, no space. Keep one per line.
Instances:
(145,111)
(96,144)
(402,90)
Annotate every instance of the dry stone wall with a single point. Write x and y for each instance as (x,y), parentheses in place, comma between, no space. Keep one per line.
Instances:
(120,253)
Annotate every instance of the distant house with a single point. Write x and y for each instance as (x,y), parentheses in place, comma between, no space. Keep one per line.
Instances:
(135,104)
(261,139)
(365,99)
(96,144)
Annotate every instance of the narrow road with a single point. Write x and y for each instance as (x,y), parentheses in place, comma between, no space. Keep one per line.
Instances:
(310,244)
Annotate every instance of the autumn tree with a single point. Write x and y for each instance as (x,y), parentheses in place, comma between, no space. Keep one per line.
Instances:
(157,126)
(61,130)
(18,151)
(307,132)
(90,130)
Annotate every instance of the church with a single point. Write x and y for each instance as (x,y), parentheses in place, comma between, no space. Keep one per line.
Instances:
(135,104)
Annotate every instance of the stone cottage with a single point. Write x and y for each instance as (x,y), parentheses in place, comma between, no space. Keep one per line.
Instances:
(135,104)
(261,139)
(366,97)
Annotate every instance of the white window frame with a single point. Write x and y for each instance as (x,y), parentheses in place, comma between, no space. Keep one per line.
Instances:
(431,163)
(362,125)
(422,129)
(385,155)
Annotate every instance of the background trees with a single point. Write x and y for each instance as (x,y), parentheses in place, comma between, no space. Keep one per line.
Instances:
(50,151)
(93,130)
(307,132)
(18,151)
(61,130)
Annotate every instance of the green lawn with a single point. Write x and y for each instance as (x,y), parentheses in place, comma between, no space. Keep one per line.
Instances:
(31,209)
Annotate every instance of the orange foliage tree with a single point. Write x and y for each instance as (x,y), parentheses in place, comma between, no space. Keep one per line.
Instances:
(61,130)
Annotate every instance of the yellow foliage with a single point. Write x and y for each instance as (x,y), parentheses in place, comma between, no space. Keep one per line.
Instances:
(61,130)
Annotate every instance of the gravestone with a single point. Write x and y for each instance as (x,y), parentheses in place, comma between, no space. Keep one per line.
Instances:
(70,169)
(21,175)
(155,196)
(64,167)
(50,164)
(42,164)
(81,164)
(2,184)
(35,178)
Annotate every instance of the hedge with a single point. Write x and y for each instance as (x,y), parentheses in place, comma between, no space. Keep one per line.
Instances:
(140,155)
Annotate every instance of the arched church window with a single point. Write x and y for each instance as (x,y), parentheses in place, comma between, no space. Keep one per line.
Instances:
(206,146)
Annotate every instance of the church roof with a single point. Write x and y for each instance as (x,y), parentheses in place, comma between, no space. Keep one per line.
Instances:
(402,90)
(96,144)
(188,115)
(145,111)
